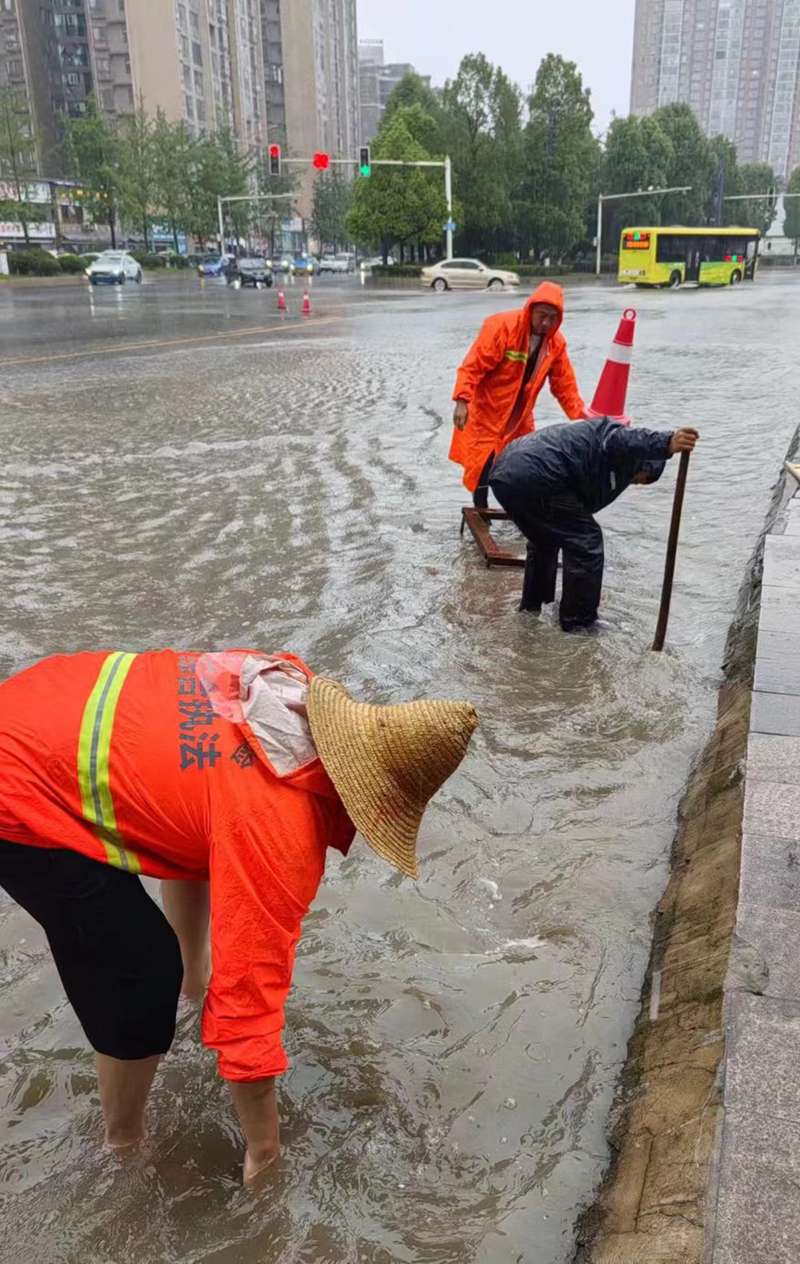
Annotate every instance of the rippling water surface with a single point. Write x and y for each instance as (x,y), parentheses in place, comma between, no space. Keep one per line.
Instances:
(455,1044)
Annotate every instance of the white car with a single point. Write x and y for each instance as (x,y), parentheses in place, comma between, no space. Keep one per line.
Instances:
(467,274)
(337,263)
(367,265)
(114,267)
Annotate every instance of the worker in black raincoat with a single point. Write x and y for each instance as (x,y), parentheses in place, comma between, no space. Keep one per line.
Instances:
(552,482)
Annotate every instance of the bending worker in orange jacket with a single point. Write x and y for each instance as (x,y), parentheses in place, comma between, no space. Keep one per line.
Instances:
(500,379)
(227,775)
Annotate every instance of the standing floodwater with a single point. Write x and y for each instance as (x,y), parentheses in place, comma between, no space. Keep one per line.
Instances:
(455,1044)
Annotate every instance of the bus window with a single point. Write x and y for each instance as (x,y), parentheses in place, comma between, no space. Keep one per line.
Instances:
(670,248)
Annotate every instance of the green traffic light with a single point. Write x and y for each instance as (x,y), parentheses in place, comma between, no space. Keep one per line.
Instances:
(365,169)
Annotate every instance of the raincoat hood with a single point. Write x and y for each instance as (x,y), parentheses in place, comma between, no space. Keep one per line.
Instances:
(550,293)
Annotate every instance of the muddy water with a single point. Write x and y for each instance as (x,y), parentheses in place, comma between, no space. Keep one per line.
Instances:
(454,1044)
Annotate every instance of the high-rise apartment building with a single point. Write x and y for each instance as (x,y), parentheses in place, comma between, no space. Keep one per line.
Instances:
(197,60)
(284,70)
(310,63)
(377,81)
(311,72)
(735,62)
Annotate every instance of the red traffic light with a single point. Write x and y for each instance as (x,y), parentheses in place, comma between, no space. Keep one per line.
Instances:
(322,161)
(274,151)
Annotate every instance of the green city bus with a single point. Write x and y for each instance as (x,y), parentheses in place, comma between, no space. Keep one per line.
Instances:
(673,256)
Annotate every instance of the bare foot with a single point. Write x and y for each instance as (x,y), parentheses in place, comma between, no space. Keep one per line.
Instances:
(255,1167)
(194,989)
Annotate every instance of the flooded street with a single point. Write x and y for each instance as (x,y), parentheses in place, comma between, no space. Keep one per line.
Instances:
(181,468)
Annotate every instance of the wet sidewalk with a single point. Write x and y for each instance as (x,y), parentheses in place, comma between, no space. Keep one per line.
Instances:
(757,1205)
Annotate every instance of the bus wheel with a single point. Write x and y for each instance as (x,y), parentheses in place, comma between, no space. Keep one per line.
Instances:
(736,277)
(675,280)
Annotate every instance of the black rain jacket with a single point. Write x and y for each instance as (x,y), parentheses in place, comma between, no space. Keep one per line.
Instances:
(592,460)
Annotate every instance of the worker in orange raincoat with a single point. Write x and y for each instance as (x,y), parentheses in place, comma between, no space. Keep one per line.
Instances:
(227,775)
(500,379)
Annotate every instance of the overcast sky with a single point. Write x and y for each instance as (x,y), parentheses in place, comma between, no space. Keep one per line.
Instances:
(435,34)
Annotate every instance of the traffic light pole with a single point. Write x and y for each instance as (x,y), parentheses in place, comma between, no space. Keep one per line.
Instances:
(445,165)
(245,197)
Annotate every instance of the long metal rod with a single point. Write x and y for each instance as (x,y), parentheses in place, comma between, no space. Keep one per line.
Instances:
(752,197)
(256,197)
(672,552)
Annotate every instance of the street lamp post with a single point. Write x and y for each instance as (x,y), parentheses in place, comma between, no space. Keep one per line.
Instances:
(246,197)
(613,197)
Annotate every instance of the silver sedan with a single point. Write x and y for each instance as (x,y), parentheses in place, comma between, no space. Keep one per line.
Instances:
(467,274)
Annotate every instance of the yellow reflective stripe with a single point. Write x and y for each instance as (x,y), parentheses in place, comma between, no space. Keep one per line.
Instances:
(94,748)
(521,356)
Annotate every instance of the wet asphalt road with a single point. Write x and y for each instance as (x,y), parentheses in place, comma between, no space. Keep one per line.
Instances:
(184,466)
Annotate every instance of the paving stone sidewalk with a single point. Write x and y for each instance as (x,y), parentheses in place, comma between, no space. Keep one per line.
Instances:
(757,1216)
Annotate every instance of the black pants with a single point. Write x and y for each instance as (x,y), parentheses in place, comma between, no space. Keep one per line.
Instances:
(480,497)
(553,526)
(116,953)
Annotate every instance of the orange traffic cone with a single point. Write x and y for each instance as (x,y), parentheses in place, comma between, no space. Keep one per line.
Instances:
(281,301)
(612,389)
(306,303)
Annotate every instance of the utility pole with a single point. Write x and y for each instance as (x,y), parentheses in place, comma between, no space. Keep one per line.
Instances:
(719,191)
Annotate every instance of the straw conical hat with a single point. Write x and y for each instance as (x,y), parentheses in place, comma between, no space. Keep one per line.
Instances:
(387,762)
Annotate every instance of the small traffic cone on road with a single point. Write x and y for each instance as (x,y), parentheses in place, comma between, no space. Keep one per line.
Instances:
(281,301)
(612,389)
(306,303)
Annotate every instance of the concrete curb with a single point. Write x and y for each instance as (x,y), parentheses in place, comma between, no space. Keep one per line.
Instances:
(705,1131)
(756,1211)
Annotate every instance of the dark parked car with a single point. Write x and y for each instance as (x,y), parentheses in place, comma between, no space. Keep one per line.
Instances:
(248,271)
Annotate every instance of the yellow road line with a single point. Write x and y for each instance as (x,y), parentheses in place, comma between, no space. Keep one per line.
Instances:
(171,342)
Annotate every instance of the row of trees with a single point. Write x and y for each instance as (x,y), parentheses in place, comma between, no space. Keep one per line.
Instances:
(134,171)
(527,171)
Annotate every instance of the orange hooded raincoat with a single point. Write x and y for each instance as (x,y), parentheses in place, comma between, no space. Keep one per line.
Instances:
(148,762)
(491,376)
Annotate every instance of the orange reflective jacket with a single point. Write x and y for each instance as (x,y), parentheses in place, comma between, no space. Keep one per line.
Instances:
(491,376)
(129,759)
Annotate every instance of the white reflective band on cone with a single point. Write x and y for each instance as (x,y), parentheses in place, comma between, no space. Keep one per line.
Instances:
(620,354)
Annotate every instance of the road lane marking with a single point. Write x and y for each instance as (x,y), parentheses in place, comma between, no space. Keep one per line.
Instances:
(149,344)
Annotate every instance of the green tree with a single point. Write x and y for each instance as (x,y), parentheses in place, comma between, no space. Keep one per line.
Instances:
(755,177)
(173,174)
(561,153)
(397,205)
(637,156)
(791,225)
(482,131)
(137,177)
(427,125)
(92,151)
(478,168)
(692,163)
(17,162)
(411,90)
(333,196)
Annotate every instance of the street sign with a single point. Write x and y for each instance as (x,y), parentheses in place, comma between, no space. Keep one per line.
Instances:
(450,226)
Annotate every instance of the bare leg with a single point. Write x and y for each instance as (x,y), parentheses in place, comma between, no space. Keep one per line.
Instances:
(186,906)
(124,1086)
(257,1108)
